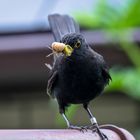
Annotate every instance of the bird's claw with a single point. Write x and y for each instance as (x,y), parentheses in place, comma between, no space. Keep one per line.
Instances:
(80,128)
(101,134)
(104,137)
(90,127)
(95,129)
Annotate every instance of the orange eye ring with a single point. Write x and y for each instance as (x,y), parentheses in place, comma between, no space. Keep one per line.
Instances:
(78,44)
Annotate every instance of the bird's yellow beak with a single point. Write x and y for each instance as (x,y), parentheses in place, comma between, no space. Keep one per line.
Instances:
(68,50)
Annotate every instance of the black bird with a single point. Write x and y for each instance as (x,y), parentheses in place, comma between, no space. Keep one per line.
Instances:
(79,76)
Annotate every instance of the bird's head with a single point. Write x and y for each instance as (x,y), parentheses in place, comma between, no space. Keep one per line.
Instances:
(69,43)
(72,42)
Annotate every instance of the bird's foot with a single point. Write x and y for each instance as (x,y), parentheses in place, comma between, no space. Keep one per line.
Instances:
(95,129)
(80,128)
(101,134)
(90,127)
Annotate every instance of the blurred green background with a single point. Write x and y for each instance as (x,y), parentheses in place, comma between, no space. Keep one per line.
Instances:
(110,27)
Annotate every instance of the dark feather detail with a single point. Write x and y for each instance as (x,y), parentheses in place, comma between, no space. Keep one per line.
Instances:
(51,83)
(62,25)
(106,75)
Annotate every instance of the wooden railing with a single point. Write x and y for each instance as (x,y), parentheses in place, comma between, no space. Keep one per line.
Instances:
(112,132)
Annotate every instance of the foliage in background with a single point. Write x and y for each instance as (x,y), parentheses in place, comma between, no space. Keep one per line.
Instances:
(107,15)
(127,81)
(118,20)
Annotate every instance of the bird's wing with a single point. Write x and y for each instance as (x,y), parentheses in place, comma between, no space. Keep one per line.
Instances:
(53,77)
(105,70)
(104,67)
(106,75)
(62,25)
(51,82)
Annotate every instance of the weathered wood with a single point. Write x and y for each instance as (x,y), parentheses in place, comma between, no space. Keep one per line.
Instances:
(42,134)
(50,135)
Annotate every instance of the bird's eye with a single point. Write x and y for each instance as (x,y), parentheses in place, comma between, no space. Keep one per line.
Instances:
(78,44)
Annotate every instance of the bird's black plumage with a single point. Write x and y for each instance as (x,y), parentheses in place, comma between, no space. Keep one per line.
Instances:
(79,78)
(62,25)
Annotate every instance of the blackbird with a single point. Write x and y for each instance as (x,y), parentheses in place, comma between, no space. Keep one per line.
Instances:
(79,74)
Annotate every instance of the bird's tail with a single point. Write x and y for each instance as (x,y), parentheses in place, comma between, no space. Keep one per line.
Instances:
(62,25)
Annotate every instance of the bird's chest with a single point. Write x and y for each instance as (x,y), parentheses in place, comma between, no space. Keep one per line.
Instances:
(80,68)
(80,79)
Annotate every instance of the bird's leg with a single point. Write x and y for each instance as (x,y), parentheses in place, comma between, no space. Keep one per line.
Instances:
(69,125)
(66,119)
(94,127)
